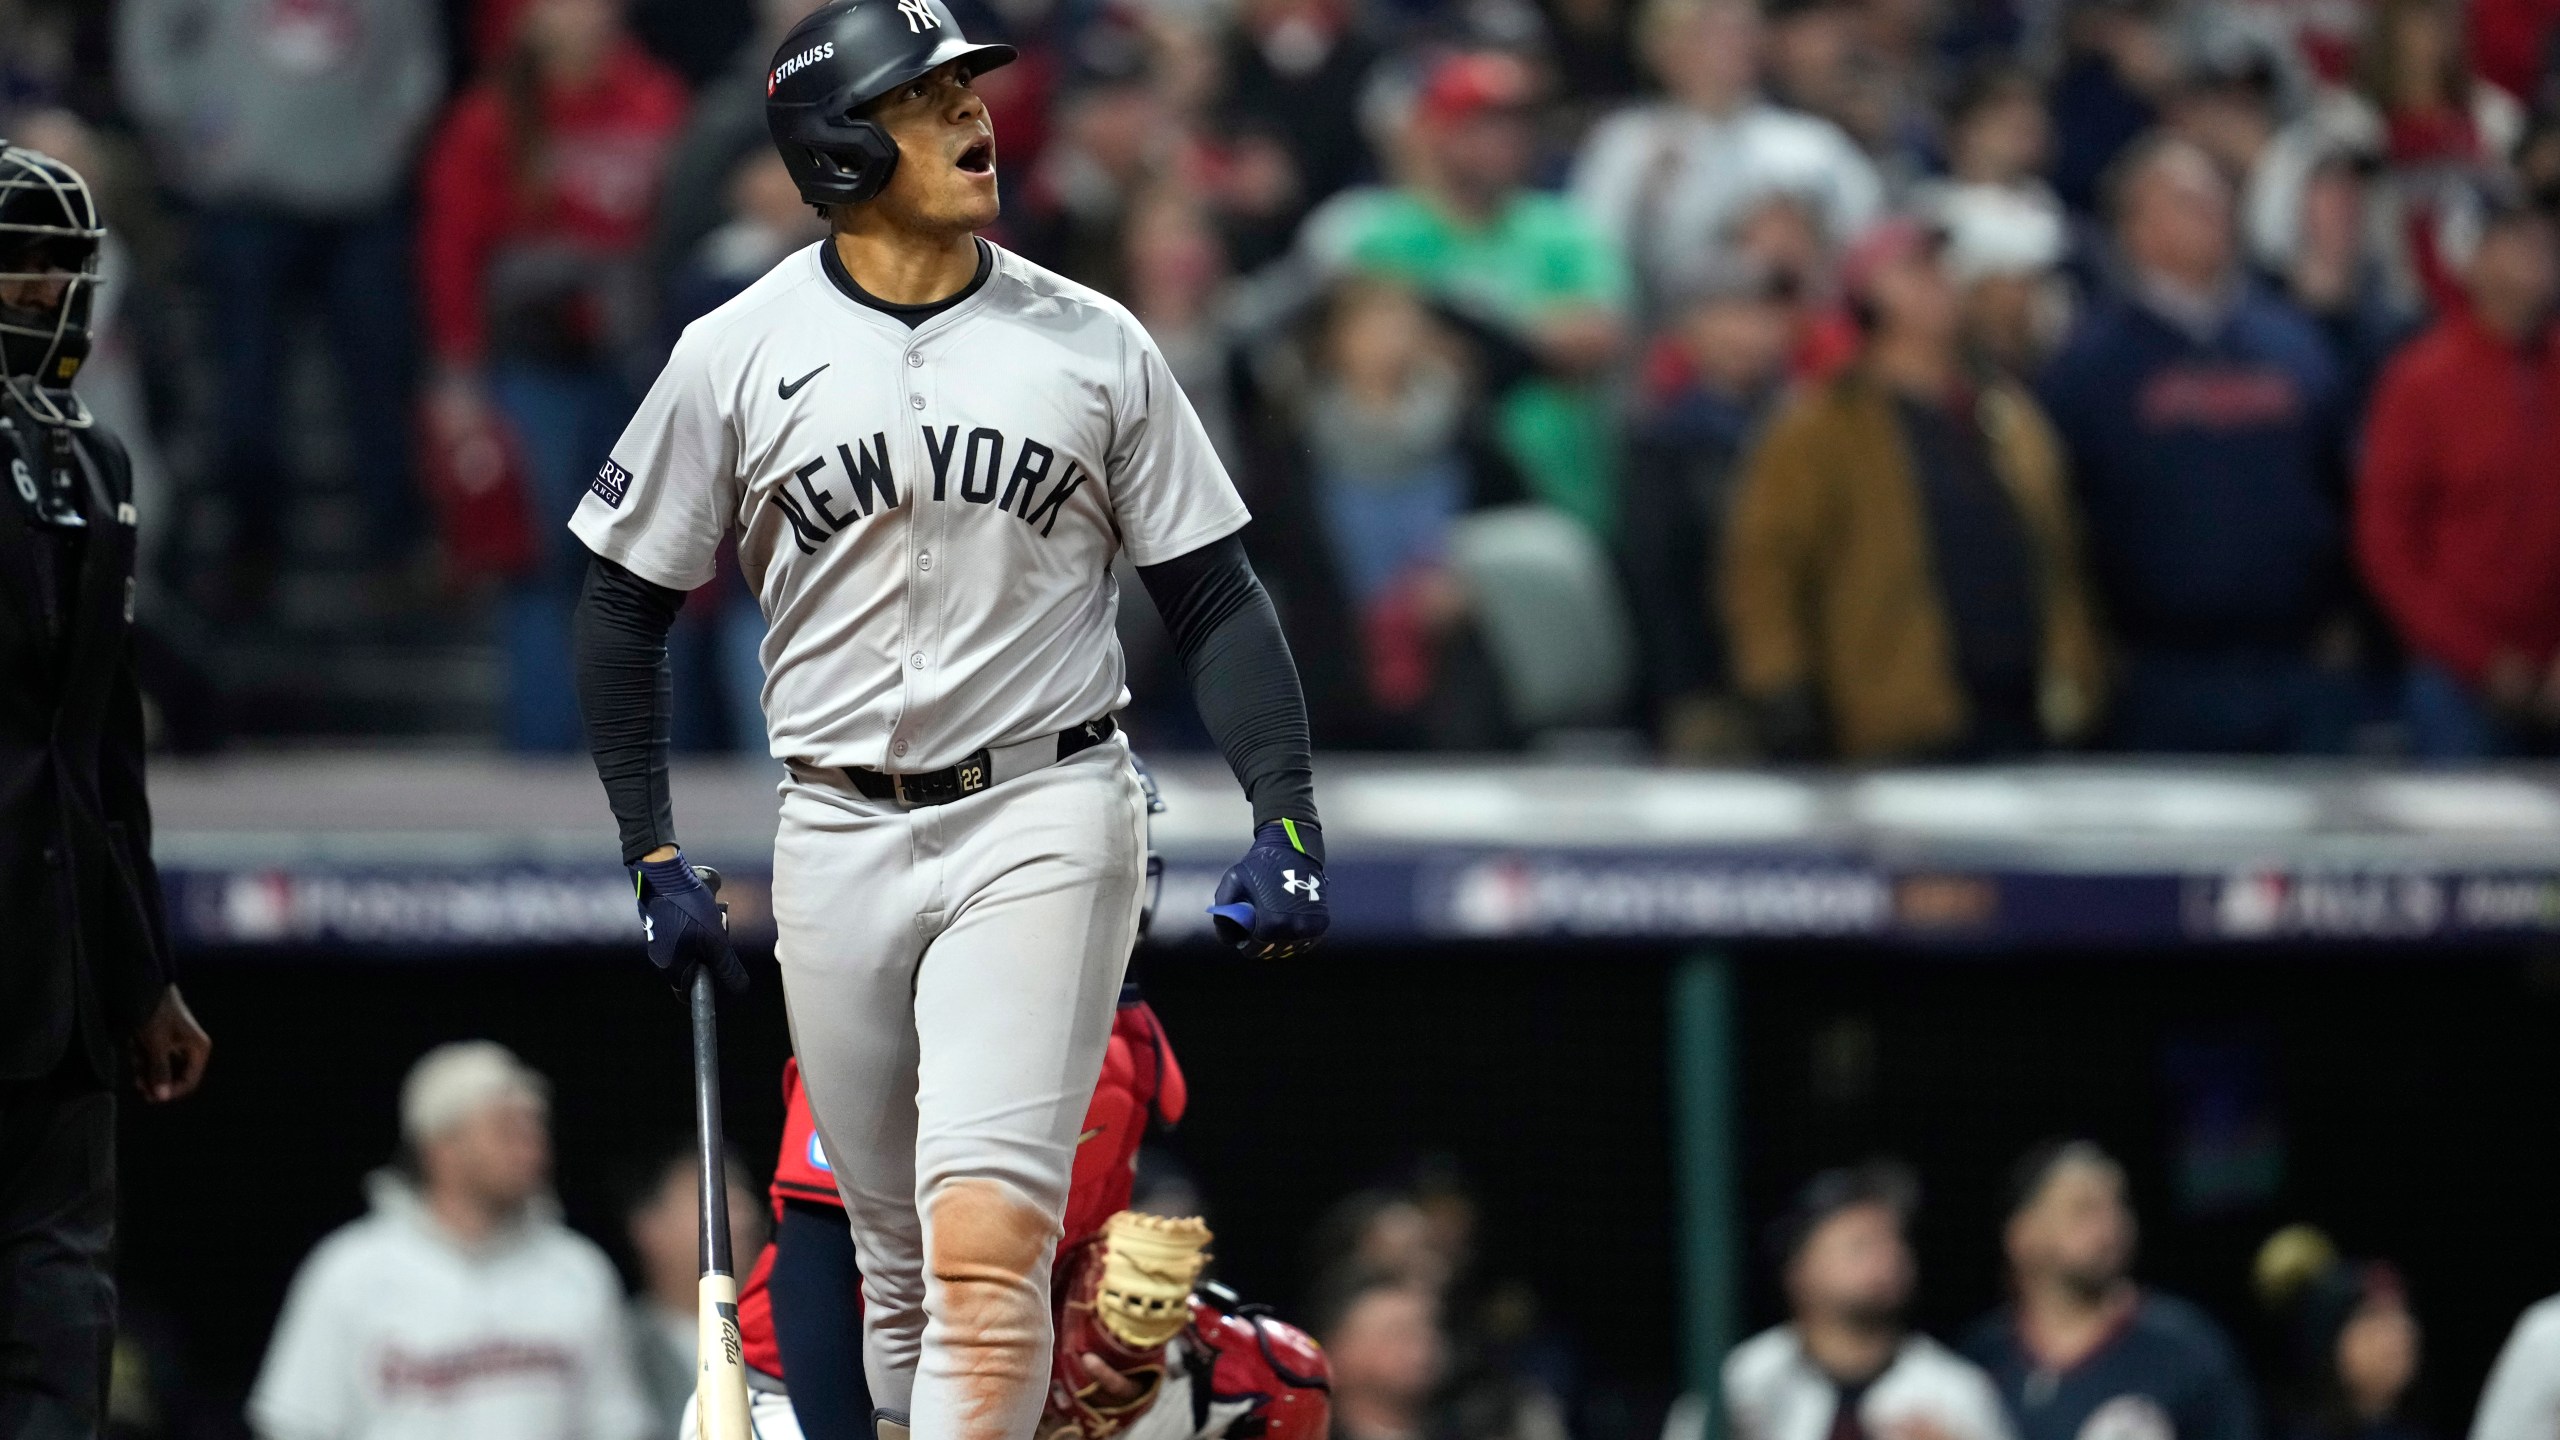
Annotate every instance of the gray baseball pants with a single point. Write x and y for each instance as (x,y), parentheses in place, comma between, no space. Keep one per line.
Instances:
(951,973)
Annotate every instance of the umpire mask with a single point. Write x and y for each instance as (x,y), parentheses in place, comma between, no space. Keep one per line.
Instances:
(49,239)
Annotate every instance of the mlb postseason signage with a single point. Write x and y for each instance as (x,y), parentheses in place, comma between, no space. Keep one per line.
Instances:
(369,856)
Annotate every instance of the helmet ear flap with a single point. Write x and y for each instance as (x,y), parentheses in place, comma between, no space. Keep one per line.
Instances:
(848,164)
(866,155)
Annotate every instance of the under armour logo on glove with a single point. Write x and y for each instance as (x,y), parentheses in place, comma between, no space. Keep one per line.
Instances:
(684,925)
(1271,903)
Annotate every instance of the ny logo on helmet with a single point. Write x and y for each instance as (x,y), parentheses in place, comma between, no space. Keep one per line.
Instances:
(919,19)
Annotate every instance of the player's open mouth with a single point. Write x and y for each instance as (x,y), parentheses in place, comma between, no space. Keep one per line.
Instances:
(979,159)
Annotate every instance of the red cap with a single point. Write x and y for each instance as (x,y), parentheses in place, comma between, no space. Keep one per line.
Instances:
(1464,86)
(1888,242)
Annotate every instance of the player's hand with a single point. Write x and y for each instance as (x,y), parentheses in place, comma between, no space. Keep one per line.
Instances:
(1111,1389)
(1271,903)
(684,925)
(169,1051)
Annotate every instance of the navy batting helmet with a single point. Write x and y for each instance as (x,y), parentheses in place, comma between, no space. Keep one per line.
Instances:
(843,57)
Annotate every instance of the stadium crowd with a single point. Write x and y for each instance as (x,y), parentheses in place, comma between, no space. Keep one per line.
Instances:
(1864,379)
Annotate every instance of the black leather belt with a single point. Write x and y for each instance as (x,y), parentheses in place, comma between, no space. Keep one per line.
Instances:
(978,771)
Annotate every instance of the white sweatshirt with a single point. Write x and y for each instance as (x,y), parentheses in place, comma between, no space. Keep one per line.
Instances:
(396,1330)
(1774,1391)
(2522,1399)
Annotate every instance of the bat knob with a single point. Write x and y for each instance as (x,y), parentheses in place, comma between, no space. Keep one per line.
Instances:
(1233,922)
(709,877)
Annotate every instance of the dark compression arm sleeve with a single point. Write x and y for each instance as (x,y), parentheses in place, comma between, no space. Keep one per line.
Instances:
(1242,678)
(629,698)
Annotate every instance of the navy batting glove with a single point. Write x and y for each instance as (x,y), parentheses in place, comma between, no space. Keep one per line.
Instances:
(1272,902)
(684,925)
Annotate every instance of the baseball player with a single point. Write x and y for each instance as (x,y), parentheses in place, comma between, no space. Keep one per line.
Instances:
(931,451)
(1213,1368)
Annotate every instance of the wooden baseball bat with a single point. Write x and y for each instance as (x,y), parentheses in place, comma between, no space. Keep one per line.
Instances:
(720,1374)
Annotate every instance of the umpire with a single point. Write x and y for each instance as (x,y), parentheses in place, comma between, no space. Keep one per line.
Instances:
(85,992)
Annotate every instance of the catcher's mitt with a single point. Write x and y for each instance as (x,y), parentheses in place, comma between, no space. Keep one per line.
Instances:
(1122,1297)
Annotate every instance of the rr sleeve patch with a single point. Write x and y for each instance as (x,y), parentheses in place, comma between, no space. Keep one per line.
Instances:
(611,483)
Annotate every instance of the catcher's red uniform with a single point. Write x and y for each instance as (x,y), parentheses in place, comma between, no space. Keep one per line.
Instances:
(1140,1080)
(1231,1370)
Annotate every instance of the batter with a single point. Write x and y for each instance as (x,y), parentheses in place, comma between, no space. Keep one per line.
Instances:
(931,451)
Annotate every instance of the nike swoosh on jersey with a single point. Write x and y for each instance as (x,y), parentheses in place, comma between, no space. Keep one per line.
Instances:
(790,388)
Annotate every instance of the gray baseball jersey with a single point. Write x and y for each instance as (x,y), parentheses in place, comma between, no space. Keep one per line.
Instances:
(927,516)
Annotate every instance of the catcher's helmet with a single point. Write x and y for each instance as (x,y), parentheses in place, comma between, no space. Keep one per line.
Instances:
(49,231)
(843,57)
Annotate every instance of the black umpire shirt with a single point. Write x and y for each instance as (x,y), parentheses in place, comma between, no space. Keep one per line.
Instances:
(86,956)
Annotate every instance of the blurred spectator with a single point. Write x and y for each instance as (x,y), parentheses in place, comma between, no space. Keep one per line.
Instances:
(1294,72)
(2333,267)
(725,128)
(538,192)
(1901,578)
(1591,46)
(1501,1370)
(2082,1350)
(1871,67)
(2004,252)
(1383,1336)
(461,1307)
(1114,135)
(2522,1399)
(1661,178)
(1780,231)
(2337,140)
(1394,1377)
(2537,162)
(1539,289)
(2201,416)
(1177,273)
(2511,45)
(2116,69)
(1811,58)
(2226,105)
(2457,522)
(762,219)
(292,127)
(1707,385)
(1380,1233)
(2444,134)
(1241,170)
(2007,232)
(664,1221)
(1849,1274)
(1383,425)
(2350,1344)
(1999,137)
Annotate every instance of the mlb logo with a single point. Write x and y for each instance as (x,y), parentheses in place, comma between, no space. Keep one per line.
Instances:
(818,1155)
(611,484)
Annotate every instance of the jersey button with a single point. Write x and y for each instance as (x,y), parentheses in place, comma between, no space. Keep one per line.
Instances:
(899,748)
(915,358)
(925,561)
(917,659)
(916,401)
